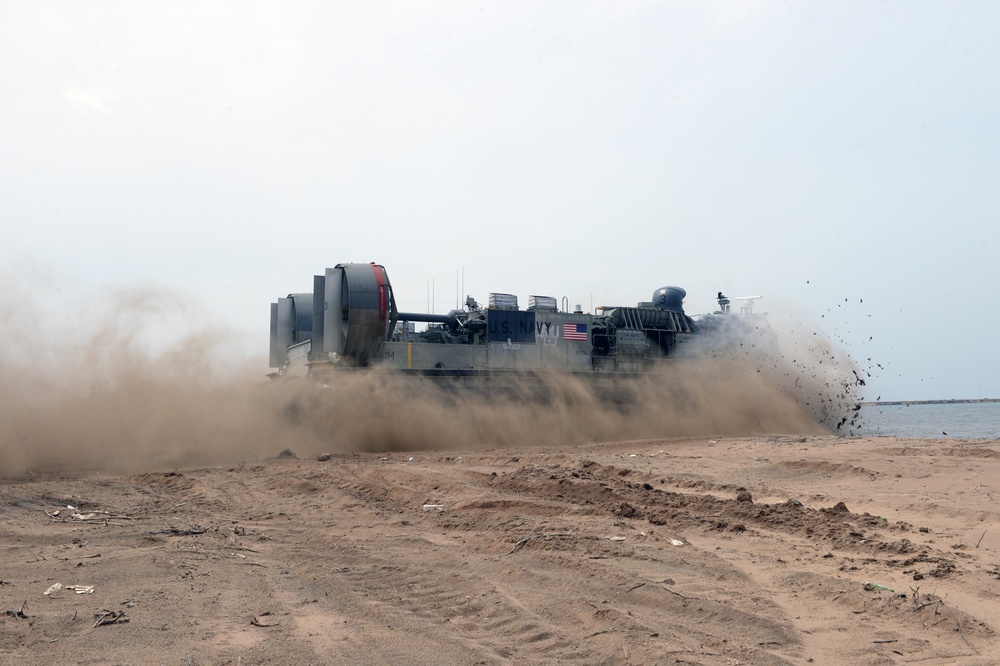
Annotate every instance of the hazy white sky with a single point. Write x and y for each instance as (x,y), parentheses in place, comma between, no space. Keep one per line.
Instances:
(810,152)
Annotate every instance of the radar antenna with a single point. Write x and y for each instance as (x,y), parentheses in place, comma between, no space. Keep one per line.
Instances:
(747,307)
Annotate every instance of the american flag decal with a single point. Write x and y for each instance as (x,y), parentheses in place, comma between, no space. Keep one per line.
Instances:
(574,332)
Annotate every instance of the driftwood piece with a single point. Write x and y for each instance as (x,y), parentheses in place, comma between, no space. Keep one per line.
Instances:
(109,617)
(19,614)
(174,531)
(520,544)
(261,620)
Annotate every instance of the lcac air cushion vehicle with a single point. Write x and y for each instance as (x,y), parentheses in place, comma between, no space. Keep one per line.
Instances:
(350,321)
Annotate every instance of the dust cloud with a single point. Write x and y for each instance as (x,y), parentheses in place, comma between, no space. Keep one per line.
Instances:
(790,360)
(125,380)
(378,411)
(136,381)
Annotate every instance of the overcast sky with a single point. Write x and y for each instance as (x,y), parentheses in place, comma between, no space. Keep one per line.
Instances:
(840,159)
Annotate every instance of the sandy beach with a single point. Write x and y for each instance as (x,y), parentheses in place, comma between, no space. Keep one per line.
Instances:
(736,550)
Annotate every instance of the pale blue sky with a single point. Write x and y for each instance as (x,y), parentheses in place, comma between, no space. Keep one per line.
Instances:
(810,152)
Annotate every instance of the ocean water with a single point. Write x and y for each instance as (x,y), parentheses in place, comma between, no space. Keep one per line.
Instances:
(958,420)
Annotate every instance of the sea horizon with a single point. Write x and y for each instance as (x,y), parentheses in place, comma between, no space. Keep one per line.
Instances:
(938,401)
(953,418)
